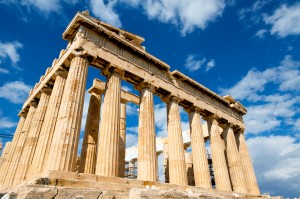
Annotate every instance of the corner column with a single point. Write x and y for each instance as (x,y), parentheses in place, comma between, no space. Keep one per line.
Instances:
(5,153)
(41,154)
(217,147)
(177,169)
(108,147)
(7,163)
(63,151)
(88,156)
(32,138)
(234,161)
(122,144)
(200,163)
(146,135)
(20,145)
(249,173)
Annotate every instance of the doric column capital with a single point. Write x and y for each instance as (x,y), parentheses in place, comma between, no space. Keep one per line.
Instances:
(80,52)
(33,103)
(211,117)
(193,109)
(171,98)
(145,84)
(110,69)
(46,90)
(124,101)
(61,72)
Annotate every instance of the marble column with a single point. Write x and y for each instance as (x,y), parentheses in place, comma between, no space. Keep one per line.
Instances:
(5,153)
(177,170)
(88,156)
(7,164)
(217,147)
(32,138)
(146,136)
(63,149)
(234,161)
(200,163)
(108,147)
(20,145)
(41,154)
(122,146)
(249,173)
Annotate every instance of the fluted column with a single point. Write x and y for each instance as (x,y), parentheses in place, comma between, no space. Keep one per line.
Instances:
(146,135)
(108,147)
(217,147)
(200,163)
(5,153)
(33,135)
(41,154)
(6,165)
(177,170)
(122,146)
(87,162)
(20,145)
(63,150)
(234,161)
(249,173)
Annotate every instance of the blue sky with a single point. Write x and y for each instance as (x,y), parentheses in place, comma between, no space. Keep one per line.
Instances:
(248,49)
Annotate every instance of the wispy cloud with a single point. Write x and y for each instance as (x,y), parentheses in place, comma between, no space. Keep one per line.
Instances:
(192,63)
(9,50)
(4,71)
(6,123)
(211,64)
(186,15)
(44,6)
(15,92)
(261,33)
(105,11)
(195,62)
(285,20)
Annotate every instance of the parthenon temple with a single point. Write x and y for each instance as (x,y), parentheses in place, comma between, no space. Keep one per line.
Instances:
(44,149)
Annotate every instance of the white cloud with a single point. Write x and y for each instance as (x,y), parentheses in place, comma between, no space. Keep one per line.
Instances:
(267,116)
(44,6)
(15,92)
(192,63)
(261,33)
(269,109)
(276,159)
(253,83)
(5,123)
(9,50)
(211,64)
(286,76)
(285,20)
(4,71)
(187,15)
(105,11)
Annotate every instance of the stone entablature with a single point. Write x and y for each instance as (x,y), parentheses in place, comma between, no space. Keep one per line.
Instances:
(105,50)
